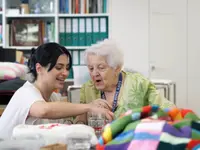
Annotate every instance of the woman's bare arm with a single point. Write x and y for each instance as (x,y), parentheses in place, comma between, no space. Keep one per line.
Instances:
(57,110)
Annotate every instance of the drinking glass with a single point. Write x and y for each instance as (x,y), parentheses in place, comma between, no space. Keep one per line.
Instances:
(97,121)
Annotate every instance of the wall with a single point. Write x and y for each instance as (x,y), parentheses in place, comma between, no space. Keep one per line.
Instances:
(168,43)
(194,54)
(131,24)
(129,27)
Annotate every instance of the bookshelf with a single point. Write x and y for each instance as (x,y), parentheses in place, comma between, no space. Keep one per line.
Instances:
(1,25)
(84,15)
(87,22)
(30,15)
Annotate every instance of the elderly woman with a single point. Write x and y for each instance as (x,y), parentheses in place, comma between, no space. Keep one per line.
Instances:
(113,88)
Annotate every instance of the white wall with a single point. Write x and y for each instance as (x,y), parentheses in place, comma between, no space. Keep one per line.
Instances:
(129,27)
(134,24)
(168,43)
(194,54)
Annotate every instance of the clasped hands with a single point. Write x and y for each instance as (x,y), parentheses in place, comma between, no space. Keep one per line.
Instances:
(103,107)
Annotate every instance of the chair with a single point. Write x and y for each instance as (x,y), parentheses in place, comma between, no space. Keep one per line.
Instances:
(73,93)
(81,75)
(161,84)
(166,85)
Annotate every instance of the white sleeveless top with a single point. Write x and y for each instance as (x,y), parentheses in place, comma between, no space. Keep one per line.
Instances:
(18,108)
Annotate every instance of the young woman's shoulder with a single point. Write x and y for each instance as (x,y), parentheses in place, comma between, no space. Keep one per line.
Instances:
(27,88)
(27,93)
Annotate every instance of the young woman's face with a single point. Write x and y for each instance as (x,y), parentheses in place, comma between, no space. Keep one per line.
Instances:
(55,78)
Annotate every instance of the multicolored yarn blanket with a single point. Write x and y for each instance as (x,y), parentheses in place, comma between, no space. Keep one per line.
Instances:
(152,128)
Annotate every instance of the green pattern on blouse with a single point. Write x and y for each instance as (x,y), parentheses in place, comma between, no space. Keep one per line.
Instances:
(137,91)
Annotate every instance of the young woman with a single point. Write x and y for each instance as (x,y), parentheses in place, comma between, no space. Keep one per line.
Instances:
(36,102)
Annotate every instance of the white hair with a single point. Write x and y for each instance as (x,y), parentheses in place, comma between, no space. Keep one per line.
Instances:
(108,49)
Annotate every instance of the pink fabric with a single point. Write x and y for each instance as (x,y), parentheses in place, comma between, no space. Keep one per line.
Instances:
(10,70)
(7,73)
(142,145)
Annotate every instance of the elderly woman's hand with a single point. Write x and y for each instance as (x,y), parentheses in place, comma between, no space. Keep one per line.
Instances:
(106,112)
(97,106)
(102,104)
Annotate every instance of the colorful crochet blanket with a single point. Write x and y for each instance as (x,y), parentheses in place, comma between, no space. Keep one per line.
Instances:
(152,128)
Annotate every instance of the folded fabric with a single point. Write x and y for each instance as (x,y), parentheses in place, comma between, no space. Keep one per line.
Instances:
(152,128)
(54,133)
(10,70)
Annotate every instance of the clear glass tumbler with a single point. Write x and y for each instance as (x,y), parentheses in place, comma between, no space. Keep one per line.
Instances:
(97,121)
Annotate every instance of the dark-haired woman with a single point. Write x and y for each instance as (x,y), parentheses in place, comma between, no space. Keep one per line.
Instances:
(35,102)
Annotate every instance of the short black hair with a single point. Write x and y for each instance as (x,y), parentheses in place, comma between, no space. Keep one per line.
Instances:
(46,54)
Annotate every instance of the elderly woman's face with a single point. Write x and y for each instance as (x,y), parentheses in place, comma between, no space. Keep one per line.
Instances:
(101,73)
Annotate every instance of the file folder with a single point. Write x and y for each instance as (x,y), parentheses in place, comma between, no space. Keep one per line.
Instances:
(95,36)
(62,31)
(71,74)
(82,32)
(68,33)
(82,57)
(88,31)
(74,31)
(75,57)
(103,28)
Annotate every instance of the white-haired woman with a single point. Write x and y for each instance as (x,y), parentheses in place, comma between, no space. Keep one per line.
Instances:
(112,87)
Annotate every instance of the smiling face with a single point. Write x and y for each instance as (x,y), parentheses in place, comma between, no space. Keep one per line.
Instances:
(102,75)
(54,78)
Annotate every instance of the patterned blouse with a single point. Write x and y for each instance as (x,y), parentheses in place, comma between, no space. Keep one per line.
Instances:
(136,91)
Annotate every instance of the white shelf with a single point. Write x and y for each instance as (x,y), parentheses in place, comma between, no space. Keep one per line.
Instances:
(84,15)
(1,44)
(69,80)
(30,16)
(29,47)
(6,16)
(76,47)
(21,47)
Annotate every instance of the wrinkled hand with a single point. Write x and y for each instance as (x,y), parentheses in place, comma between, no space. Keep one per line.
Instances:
(102,104)
(106,112)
